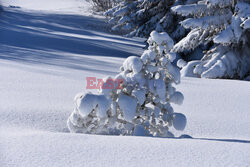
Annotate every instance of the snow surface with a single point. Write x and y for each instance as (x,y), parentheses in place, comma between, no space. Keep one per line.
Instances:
(44,61)
(65,6)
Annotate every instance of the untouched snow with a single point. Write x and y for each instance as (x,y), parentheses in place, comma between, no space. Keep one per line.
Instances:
(61,6)
(44,61)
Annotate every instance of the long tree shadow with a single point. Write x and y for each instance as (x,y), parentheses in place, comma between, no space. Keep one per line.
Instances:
(212,139)
(51,38)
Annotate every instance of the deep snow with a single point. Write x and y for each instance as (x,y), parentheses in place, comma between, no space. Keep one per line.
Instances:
(44,60)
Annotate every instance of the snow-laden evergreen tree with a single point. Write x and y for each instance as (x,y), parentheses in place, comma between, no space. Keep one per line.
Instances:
(140,17)
(103,5)
(225,24)
(143,104)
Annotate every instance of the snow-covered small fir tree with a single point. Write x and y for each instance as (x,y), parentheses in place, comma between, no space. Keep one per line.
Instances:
(142,105)
(225,24)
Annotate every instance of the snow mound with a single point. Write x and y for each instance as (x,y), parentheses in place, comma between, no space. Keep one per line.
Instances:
(181,63)
(133,64)
(188,69)
(127,105)
(179,121)
(92,102)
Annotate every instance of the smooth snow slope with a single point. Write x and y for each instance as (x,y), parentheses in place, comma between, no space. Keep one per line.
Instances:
(65,6)
(44,59)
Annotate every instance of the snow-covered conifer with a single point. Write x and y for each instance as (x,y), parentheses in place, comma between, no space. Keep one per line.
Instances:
(140,18)
(225,24)
(103,5)
(143,104)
